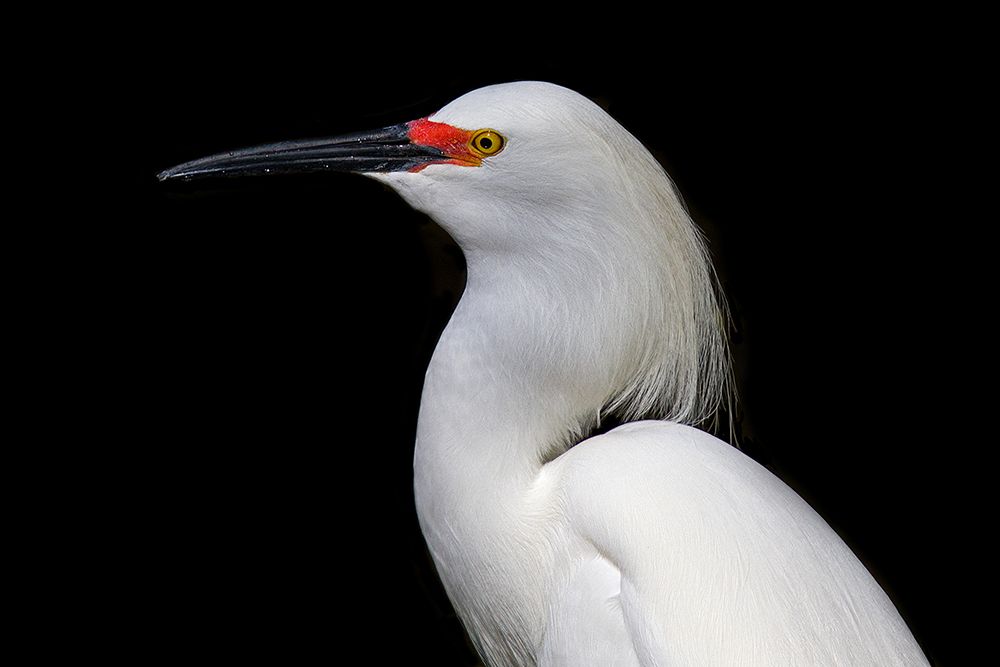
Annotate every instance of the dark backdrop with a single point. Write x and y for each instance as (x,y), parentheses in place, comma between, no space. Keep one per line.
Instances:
(274,332)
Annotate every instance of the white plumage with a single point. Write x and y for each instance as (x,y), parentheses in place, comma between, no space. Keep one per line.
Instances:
(654,544)
(590,291)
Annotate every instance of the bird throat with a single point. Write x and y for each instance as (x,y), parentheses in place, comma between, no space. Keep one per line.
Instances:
(494,411)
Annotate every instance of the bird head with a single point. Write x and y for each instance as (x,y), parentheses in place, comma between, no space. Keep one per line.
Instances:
(494,167)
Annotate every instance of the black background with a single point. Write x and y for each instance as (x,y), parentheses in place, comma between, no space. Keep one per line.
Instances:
(271,334)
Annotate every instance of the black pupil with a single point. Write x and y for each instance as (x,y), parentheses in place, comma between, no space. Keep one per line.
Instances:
(486,143)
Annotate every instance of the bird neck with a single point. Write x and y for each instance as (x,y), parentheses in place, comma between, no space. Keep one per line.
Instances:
(499,398)
(548,335)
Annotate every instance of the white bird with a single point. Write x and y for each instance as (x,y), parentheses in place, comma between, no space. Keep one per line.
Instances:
(590,292)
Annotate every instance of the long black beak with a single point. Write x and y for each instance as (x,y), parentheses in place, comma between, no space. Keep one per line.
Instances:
(388,149)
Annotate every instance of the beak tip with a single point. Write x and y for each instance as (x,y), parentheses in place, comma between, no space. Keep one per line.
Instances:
(166,174)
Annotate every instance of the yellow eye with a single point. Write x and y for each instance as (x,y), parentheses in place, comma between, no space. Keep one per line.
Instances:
(486,143)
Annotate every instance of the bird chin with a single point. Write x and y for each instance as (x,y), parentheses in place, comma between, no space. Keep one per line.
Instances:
(400,181)
(411,186)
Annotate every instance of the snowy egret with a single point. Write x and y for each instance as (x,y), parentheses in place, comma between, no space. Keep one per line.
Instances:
(590,292)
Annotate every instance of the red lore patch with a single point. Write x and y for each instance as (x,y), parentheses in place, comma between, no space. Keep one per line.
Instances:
(450,140)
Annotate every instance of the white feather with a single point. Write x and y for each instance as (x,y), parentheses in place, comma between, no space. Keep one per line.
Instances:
(590,290)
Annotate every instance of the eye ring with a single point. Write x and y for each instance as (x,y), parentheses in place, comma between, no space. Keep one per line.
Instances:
(486,142)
